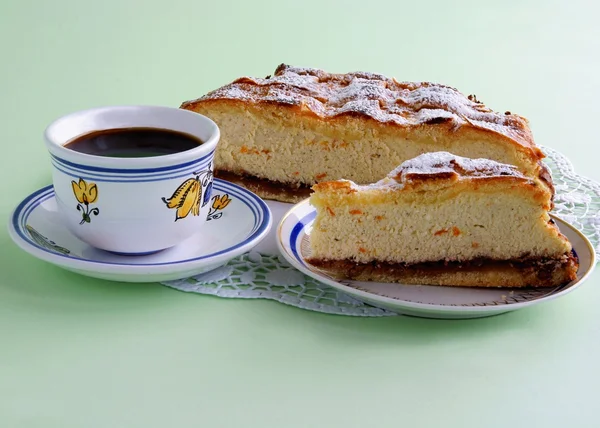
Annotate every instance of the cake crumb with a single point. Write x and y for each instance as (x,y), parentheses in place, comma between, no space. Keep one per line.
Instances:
(251,150)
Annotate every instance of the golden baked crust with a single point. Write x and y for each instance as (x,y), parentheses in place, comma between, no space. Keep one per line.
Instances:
(373,96)
(305,126)
(436,171)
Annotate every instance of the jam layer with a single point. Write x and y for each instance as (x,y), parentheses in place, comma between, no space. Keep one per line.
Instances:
(524,272)
(267,189)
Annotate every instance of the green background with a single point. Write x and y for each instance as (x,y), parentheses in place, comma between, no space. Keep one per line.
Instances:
(78,352)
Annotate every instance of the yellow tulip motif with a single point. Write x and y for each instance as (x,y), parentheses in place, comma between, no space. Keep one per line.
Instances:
(86,194)
(219,204)
(195,193)
(187,198)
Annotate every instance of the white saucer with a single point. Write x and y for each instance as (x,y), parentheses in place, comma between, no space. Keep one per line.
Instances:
(293,239)
(36,227)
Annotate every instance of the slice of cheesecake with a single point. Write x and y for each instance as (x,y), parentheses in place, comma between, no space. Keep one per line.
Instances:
(282,134)
(441,219)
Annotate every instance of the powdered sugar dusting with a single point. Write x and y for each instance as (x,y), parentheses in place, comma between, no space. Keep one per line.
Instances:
(447,164)
(437,166)
(367,94)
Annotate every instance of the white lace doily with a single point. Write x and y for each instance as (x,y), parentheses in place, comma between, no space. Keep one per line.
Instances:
(268,276)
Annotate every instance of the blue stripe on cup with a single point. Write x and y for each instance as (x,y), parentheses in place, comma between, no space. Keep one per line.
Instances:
(132,170)
(133,175)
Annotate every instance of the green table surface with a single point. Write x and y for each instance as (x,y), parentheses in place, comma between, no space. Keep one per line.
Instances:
(80,352)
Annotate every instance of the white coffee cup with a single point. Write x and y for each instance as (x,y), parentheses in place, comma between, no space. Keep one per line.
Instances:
(131,205)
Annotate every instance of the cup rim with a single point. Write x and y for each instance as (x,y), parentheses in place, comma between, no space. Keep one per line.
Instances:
(57,148)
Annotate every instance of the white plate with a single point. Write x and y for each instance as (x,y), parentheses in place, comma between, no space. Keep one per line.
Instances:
(293,239)
(36,227)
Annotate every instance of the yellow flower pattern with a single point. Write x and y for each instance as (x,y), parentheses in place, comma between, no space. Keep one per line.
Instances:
(191,195)
(186,198)
(86,194)
(219,204)
(195,193)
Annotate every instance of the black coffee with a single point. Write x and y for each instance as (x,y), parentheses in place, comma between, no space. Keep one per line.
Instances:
(133,142)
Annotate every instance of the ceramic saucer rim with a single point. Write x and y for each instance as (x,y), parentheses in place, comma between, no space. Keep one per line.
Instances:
(259,231)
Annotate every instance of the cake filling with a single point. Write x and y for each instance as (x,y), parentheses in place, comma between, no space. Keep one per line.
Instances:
(540,270)
(281,191)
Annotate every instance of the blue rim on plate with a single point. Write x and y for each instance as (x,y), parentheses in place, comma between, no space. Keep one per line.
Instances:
(262,220)
(293,240)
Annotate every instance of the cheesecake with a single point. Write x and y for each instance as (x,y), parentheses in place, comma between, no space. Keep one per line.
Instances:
(282,134)
(442,219)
